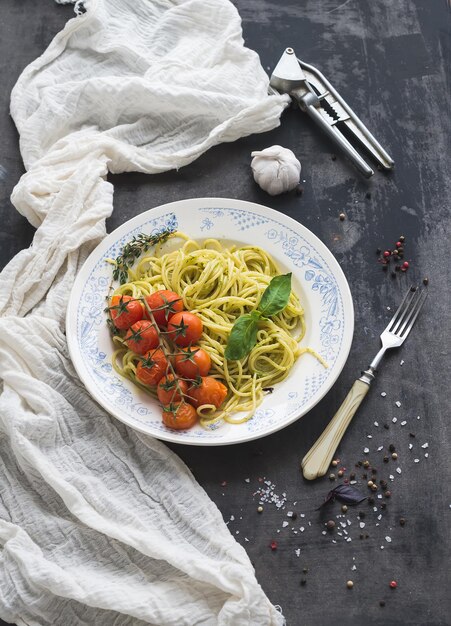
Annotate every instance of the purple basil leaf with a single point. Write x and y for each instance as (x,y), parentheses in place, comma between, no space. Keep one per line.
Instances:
(344,493)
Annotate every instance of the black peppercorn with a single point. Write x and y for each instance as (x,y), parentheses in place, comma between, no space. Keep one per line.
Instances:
(371,500)
(391,447)
(294,516)
(381,603)
(303,582)
(402,521)
(425,281)
(386,459)
(368,195)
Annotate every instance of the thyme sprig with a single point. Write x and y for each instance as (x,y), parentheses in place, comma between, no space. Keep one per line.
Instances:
(134,249)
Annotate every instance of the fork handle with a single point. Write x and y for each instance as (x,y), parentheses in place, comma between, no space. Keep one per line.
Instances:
(317,460)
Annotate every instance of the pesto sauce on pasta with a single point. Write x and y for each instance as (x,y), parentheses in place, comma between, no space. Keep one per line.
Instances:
(219,284)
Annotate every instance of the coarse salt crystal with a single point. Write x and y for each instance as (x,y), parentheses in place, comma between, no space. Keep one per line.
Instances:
(352,482)
(302,514)
(416,460)
(348,522)
(401,363)
(410,446)
(383,394)
(398,469)
(380,448)
(418,417)
(403,423)
(379,517)
(302,529)
(388,539)
(246,539)
(391,477)
(369,436)
(237,532)
(382,547)
(362,524)
(247,480)
(297,551)
(333,541)
(394,420)
(324,532)
(376,423)
(348,539)
(284,524)
(425,445)
(366,450)
(232,518)
(375,508)
(426,455)
(353,568)
(398,403)
(379,496)
(290,514)
(343,524)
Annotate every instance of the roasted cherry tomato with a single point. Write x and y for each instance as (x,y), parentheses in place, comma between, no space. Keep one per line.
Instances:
(142,337)
(125,311)
(185,328)
(164,304)
(210,391)
(179,416)
(168,392)
(192,362)
(152,367)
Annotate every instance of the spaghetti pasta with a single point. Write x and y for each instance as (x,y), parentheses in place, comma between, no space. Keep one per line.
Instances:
(219,284)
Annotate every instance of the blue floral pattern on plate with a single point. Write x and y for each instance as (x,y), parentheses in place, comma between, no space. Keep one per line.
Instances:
(309,267)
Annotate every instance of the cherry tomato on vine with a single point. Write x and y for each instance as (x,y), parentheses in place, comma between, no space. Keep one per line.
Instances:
(152,367)
(192,362)
(164,304)
(125,311)
(185,328)
(168,392)
(141,337)
(179,416)
(210,391)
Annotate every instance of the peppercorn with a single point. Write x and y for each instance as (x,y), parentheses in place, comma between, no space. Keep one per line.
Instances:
(366,464)
(374,470)
(344,508)
(352,476)
(383,505)
(305,570)
(386,426)
(371,500)
(383,484)
(273,545)
(260,509)
(359,463)
(386,459)
(393,584)
(342,217)
(334,463)
(361,535)
(395,252)
(391,447)
(394,456)
(398,244)
(381,603)
(294,516)
(405,265)
(330,524)
(368,195)
(397,268)
(361,514)
(349,584)
(411,435)
(331,476)
(374,487)
(402,238)
(387,493)
(393,274)
(387,253)
(378,250)
(402,521)
(340,473)
(425,281)
(370,483)
(303,582)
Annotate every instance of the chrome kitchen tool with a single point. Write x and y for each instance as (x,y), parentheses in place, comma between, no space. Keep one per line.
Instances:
(317,460)
(316,97)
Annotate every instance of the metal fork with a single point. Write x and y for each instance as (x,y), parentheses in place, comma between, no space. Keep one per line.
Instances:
(317,460)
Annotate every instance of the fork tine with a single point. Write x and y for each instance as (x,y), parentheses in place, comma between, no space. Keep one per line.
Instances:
(407,326)
(397,317)
(407,310)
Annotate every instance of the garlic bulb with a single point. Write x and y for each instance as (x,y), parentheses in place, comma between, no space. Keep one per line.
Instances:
(275,169)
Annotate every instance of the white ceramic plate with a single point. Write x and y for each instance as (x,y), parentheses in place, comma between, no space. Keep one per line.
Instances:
(317,279)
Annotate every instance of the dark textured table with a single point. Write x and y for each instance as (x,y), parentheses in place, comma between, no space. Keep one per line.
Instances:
(391,60)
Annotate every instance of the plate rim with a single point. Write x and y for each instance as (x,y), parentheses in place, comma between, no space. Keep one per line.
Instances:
(203,202)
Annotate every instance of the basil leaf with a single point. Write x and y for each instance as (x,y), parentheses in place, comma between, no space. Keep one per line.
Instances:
(344,493)
(243,336)
(276,295)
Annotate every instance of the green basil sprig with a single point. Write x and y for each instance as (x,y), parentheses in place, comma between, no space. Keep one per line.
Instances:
(243,336)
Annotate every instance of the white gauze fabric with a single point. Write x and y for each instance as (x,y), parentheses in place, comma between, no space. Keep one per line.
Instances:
(100,525)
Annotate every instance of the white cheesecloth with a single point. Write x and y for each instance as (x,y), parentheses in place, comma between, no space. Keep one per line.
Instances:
(100,525)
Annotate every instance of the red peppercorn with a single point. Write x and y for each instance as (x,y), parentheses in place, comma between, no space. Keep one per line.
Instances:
(393,584)
(273,546)
(405,264)
(387,253)
(398,244)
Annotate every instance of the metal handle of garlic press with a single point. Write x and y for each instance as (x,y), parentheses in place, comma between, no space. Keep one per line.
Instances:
(307,103)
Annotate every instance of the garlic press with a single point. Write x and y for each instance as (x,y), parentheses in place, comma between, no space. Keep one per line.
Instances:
(315,96)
